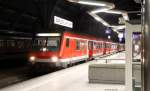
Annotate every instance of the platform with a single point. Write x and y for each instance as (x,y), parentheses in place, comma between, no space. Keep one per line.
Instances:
(70,79)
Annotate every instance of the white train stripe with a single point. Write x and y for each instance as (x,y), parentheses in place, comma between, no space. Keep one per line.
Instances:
(73,58)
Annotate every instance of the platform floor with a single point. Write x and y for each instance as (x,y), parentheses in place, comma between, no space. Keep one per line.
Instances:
(118,58)
(71,79)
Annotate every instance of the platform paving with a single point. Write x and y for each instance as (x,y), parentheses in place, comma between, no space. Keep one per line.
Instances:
(70,79)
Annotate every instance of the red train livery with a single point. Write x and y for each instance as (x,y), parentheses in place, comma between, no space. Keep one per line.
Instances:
(62,49)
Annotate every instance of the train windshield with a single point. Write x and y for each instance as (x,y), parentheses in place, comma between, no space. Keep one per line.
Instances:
(46,43)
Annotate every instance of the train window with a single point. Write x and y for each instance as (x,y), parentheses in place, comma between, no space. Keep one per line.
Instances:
(1,43)
(20,44)
(82,45)
(97,45)
(100,45)
(28,43)
(10,43)
(112,46)
(106,45)
(90,45)
(67,42)
(77,45)
(94,46)
(39,42)
(52,43)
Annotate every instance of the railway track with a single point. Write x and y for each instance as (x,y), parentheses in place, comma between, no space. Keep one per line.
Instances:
(13,75)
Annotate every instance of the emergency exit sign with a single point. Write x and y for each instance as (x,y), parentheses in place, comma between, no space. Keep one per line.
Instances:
(62,22)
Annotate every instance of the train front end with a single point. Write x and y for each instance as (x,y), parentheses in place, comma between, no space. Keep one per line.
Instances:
(45,49)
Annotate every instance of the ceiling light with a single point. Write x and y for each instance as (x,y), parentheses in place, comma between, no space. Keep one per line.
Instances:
(99,10)
(124,14)
(114,11)
(96,17)
(93,3)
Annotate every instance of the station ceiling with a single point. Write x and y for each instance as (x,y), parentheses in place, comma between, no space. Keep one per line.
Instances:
(32,16)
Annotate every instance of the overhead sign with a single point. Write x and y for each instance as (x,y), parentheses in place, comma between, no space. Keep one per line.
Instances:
(62,22)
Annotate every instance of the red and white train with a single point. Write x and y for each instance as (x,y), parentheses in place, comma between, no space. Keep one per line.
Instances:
(62,49)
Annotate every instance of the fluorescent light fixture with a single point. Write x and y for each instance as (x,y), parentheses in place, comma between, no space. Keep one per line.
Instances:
(93,3)
(73,1)
(124,14)
(114,11)
(99,19)
(107,10)
(99,10)
(115,30)
(48,34)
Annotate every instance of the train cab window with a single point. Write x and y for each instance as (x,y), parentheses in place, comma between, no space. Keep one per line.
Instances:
(51,43)
(67,42)
(77,45)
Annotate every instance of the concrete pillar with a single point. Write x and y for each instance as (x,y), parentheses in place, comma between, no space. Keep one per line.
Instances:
(146,60)
(128,47)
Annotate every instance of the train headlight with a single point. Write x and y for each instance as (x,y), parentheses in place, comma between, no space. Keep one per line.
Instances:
(54,59)
(44,49)
(32,58)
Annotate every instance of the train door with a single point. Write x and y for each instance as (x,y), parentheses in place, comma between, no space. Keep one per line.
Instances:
(90,49)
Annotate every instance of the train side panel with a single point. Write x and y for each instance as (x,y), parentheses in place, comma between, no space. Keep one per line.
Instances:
(73,49)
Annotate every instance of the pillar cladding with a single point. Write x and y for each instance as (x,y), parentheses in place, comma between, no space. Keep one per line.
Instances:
(146,50)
